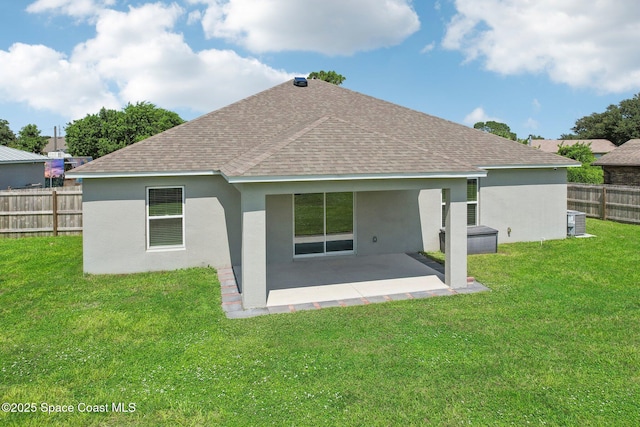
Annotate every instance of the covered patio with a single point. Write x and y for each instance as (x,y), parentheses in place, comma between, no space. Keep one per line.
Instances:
(316,283)
(389,217)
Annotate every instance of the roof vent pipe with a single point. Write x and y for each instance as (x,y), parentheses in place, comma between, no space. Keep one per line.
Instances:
(300,81)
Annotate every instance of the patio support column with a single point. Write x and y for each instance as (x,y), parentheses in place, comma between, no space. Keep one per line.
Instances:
(254,249)
(455,275)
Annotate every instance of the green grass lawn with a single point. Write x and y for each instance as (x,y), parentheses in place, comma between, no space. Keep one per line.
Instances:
(556,342)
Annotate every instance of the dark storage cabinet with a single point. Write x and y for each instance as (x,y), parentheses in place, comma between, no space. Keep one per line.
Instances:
(480,240)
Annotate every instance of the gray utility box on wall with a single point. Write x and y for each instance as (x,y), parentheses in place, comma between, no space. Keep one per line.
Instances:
(480,240)
(576,223)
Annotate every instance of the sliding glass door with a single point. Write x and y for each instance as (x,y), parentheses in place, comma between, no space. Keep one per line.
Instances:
(309,223)
(339,222)
(323,223)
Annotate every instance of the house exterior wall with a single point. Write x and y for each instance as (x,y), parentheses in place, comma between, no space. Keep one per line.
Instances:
(18,175)
(622,175)
(114,222)
(279,228)
(531,202)
(430,203)
(393,217)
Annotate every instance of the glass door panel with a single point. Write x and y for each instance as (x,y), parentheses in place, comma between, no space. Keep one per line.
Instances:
(339,214)
(309,224)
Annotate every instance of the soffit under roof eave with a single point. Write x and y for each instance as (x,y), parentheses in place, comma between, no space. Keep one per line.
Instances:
(156,174)
(361,177)
(533,166)
(616,164)
(14,162)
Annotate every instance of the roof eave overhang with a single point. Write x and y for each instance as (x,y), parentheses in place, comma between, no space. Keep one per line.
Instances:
(616,164)
(352,177)
(156,174)
(533,166)
(14,162)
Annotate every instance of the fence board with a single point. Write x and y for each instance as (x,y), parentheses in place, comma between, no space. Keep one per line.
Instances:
(32,212)
(615,202)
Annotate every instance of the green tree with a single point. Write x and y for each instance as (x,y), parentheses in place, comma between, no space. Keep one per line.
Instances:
(109,130)
(496,128)
(582,153)
(7,137)
(568,136)
(618,123)
(29,139)
(328,76)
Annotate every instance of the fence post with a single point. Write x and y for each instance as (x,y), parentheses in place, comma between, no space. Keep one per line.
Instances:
(604,203)
(54,203)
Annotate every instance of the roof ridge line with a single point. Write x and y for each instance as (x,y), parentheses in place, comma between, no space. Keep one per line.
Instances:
(270,149)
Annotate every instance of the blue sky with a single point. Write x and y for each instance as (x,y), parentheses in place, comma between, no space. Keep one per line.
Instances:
(537,66)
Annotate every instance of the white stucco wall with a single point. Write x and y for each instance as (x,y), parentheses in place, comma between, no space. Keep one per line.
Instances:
(393,217)
(531,202)
(114,222)
(279,228)
(430,202)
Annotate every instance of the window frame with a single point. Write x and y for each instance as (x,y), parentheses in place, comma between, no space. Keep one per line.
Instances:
(475,203)
(150,218)
(324,219)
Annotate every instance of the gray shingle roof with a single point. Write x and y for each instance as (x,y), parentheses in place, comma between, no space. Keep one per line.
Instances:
(628,154)
(598,146)
(321,129)
(12,155)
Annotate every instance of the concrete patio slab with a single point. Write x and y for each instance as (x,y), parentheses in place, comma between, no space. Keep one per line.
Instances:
(316,283)
(311,294)
(400,285)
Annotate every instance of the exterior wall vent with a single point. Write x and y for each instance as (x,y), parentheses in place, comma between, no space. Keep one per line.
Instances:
(300,81)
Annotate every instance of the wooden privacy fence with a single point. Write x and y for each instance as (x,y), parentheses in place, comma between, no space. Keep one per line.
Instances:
(41,212)
(612,202)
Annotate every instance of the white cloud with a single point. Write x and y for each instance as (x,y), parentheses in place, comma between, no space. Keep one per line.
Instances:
(478,115)
(575,44)
(135,56)
(194,17)
(45,79)
(75,8)
(332,27)
(531,123)
(428,48)
(150,62)
(536,104)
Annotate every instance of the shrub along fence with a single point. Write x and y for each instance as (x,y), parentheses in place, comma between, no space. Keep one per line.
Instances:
(613,202)
(41,212)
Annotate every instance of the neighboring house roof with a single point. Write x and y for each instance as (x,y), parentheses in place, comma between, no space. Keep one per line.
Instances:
(628,154)
(598,146)
(321,129)
(52,146)
(12,155)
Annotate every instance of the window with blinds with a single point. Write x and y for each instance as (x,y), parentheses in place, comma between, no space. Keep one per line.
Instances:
(165,217)
(472,203)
